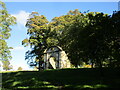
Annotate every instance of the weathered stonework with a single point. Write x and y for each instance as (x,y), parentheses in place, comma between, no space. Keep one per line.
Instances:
(55,58)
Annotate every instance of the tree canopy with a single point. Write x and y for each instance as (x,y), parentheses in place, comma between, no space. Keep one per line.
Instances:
(6,20)
(38,31)
(90,37)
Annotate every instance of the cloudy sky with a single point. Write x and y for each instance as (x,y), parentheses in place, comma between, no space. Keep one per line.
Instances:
(21,11)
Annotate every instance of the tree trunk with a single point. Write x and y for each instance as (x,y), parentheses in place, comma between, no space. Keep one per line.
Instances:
(39,66)
(101,72)
(92,63)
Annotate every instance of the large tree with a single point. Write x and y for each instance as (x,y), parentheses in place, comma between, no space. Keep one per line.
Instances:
(42,34)
(67,28)
(114,40)
(84,40)
(38,32)
(6,20)
(95,44)
(90,37)
(93,38)
(84,36)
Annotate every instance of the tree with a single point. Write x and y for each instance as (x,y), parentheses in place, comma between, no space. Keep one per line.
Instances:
(20,68)
(89,37)
(6,20)
(67,28)
(92,38)
(6,65)
(104,50)
(83,37)
(38,31)
(59,24)
(42,35)
(71,38)
(52,34)
(114,41)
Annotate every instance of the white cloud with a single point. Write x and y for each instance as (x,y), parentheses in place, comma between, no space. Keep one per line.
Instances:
(18,48)
(22,17)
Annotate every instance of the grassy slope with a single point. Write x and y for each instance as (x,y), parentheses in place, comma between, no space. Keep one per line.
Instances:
(62,79)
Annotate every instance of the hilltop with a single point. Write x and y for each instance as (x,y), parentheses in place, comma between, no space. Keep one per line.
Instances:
(62,79)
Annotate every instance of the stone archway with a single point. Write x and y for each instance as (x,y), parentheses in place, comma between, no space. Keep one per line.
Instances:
(51,58)
(55,58)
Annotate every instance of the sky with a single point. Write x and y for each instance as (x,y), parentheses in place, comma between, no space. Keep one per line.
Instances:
(51,9)
(60,0)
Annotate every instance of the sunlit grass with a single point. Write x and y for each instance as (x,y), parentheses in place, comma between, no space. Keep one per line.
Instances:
(86,86)
(23,87)
(16,83)
(100,86)
(61,79)
(7,71)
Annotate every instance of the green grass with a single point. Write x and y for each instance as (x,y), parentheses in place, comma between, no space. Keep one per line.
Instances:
(76,79)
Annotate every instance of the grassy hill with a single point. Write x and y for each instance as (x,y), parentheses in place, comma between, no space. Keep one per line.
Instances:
(76,79)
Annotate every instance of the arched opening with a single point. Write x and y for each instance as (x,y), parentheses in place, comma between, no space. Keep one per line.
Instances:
(52,58)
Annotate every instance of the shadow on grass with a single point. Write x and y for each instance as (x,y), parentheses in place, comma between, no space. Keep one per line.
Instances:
(77,79)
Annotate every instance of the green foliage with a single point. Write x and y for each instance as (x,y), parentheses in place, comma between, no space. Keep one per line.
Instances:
(6,20)
(6,65)
(43,34)
(20,68)
(90,37)
(38,32)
